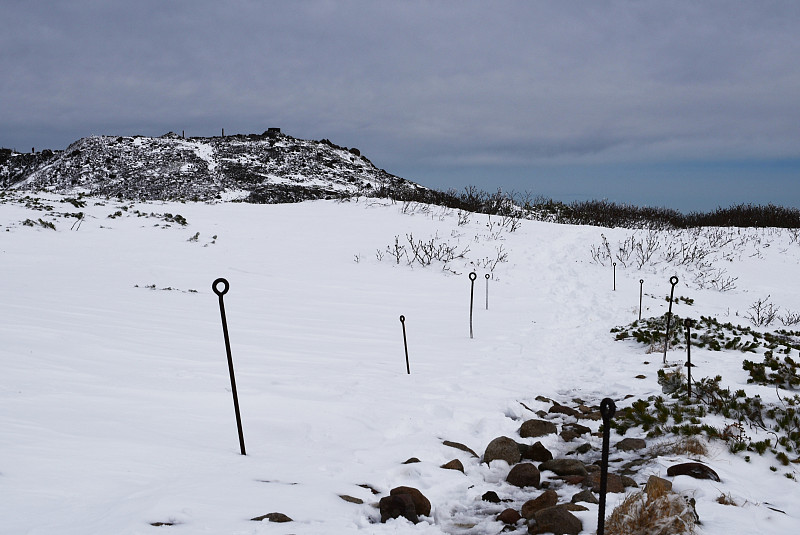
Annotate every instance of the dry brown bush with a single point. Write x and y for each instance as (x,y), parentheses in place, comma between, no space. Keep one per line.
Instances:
(660,513)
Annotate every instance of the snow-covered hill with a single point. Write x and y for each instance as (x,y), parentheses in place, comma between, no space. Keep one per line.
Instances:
(260,168)
(115,405)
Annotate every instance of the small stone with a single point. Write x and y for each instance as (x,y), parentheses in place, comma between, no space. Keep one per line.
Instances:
(695,470)
(504,449)
(543,399)
(548,498)
(584,448)
(567,435)
(351,499)
(455,464)
(397,506)
(573,480)
(574,507)
(509,516)
(490,496)
(421,503)
(459,446)
(628,481)
(565,467)
(578,428)
(536,452)
(563,409)
(594,416)
(524,475)
(631,444)
(556,520)
(370,488)
(613,482)
(272,517)
(412,460)
(537,428)
(640,376)
(585,496)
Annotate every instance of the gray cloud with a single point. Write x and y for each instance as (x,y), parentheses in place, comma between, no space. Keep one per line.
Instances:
(436,83)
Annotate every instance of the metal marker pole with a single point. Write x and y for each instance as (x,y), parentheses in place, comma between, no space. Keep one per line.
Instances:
(487,291)
(405,342)
(221,293)
(673,281)
(472,277)
(641,287)
(615,276)
(607,410)
(687,323)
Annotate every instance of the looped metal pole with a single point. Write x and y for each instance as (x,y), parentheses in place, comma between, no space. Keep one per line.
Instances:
(487,291)
(472,277)
(607,410)
(615,276)
(673,281)
(405,342)
(641,289)
(221,292)
(688,324)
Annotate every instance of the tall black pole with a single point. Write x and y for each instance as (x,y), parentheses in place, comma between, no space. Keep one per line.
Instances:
(673,281)
(487,291)
(641,288)
(405,342)
(472,277)
(607,410)
(688,324)
(221,293)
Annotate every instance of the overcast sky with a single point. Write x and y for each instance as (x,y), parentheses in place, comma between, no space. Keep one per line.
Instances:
(690,105)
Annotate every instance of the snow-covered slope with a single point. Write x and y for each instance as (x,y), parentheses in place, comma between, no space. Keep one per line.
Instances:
(115,402)
(266,168)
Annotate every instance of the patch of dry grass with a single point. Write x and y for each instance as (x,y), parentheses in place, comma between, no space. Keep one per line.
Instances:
(661,512)
(690,446)
(726,499)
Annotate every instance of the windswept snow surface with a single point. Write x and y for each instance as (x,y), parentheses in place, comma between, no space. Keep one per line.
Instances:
(115,402)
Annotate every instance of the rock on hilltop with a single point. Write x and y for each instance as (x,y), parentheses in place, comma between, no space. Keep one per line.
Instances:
(261,168)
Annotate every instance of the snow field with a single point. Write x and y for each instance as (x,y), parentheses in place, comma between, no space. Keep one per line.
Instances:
(115,399)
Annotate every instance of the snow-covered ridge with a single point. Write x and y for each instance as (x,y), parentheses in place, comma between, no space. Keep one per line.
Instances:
(265,168)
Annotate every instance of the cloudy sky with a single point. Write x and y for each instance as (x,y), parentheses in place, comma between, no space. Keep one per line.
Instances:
(690,105)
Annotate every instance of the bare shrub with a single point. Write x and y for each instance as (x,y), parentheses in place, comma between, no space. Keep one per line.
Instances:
(661,512)
(762,313)
(790,318)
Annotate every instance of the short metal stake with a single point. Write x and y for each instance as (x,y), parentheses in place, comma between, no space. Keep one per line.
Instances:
(607,410)
(472,277)
(673,281)
(615,276)
(221,293)
(405,342)
(641,288)
(487,291)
